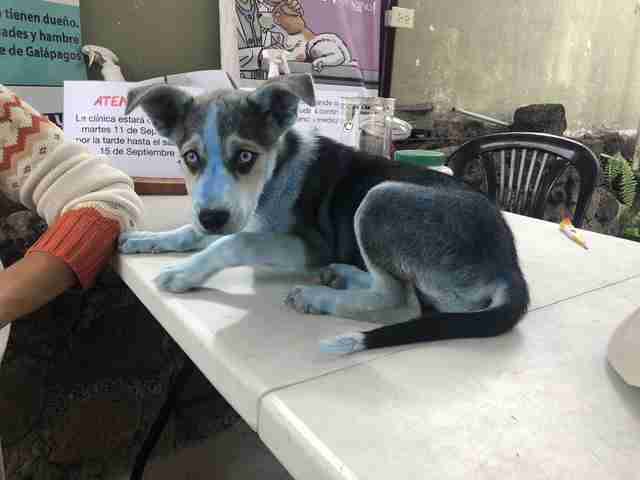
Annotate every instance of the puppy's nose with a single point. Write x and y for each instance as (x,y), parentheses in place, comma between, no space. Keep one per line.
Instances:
(213,220)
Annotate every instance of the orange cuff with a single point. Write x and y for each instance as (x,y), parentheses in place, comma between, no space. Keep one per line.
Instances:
(84,239)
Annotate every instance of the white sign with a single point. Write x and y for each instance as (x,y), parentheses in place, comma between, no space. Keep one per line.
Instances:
(329,117)
(94,116)
(324,118)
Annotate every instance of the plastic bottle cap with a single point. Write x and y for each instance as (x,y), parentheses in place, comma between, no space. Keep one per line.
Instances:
(422,158)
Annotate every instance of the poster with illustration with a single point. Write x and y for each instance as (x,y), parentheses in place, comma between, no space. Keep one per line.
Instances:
(336,40)
(40,42)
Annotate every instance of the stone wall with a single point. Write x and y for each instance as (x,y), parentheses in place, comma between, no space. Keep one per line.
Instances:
(84,377)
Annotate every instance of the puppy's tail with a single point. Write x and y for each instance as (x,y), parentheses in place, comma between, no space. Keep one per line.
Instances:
(509,304)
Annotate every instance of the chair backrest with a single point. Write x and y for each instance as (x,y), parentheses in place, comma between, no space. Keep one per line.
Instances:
(521,169)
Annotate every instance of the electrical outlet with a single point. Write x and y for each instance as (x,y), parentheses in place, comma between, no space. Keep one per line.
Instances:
(399,17)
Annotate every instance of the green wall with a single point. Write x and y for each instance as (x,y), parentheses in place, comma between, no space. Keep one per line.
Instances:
(154,37)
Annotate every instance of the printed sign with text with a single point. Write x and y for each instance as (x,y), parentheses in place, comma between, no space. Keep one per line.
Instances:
(40,42)
(94,116)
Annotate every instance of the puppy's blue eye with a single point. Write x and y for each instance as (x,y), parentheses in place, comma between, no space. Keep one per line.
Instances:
(246,156)
(192,159)
(245,161)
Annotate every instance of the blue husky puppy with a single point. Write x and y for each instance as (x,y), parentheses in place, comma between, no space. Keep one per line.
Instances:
(265,193)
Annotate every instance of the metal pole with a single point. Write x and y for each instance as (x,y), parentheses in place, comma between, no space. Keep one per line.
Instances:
(387,41)
(479,116)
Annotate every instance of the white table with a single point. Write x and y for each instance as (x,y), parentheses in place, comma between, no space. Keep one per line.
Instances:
(443,399)
(538,403)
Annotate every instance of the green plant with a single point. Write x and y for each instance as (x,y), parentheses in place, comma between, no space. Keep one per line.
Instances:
(620,179)
(623,183)
(632,232)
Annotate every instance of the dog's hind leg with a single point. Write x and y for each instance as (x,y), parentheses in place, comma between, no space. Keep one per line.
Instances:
(379,288)
(383,292)
(341,276)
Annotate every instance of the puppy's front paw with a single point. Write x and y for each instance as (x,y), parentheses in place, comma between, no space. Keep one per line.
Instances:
(177,279)
(303,300)
(139,242)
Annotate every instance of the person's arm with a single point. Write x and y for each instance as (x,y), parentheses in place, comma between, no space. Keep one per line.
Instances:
(31,283)
(84,200)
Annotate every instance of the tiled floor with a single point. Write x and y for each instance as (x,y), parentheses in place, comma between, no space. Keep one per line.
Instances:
(235,454)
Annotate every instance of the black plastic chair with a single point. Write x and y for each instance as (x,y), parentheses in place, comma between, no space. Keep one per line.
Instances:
(521,169)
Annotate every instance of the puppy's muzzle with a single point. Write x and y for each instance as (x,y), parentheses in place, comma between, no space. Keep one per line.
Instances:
(213,220)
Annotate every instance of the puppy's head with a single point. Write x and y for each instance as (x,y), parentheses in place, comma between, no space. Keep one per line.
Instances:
(228,141)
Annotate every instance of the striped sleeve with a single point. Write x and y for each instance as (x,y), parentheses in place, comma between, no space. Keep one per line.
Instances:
(84,200)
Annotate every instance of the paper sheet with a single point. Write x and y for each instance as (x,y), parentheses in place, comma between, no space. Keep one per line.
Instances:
(94,116)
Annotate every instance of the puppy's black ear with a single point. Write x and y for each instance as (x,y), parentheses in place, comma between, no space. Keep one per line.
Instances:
(165,105)
(280,97)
